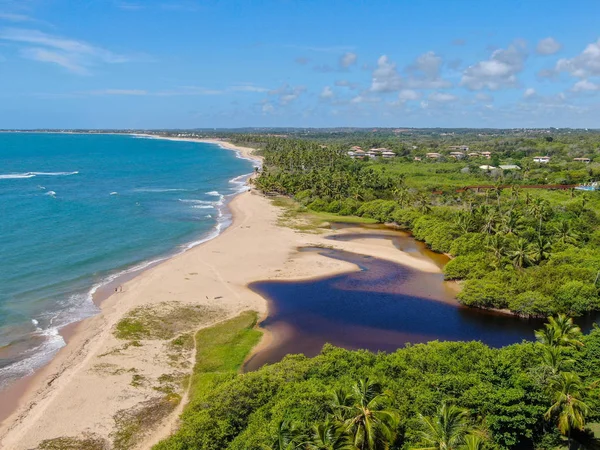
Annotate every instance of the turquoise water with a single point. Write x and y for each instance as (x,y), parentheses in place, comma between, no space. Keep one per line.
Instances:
(78,210)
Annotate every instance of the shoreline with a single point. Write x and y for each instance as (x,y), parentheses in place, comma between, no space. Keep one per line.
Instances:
(18,390)
(101,290)
(253,247)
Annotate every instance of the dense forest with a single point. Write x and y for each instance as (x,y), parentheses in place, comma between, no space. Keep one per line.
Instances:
(533,251)
(439,395)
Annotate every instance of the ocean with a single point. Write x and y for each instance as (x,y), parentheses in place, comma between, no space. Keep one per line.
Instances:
(77,211)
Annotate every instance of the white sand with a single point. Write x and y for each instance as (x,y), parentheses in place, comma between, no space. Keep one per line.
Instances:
(80,391)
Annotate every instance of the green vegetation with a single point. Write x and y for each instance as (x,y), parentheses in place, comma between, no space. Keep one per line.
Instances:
(532,251)
(220,352)
(132,424)
(162,321)
(300,218)
(439,395)
(87,442)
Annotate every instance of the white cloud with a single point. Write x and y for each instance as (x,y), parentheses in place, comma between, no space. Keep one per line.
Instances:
(61,59)
(529,93)
(425,72)
(136,92)
(442,97)
(348,59)
(365,99)
(548,46)
(248,88)
(386,77)
(287,94)
(500,71)
(76,56)
(129,6)
(408,94)
(585,85)
(483,97)
(16,17)
(327,93)
(346,84)
(583,65)
(267,108)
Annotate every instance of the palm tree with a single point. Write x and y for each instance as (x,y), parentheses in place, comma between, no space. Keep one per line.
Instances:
(554,359)
(569,334)
(511,222)
(564,233)
(285,435)
(567,408)
(521,255)
(539,209)
(541,249)
(446,430)
(497,246)
(560,331)
(489,223)
(371,425)
(423,203)
(473,441)
(329,436)
(465,222)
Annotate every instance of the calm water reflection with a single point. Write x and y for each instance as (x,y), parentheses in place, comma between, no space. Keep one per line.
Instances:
(381,307)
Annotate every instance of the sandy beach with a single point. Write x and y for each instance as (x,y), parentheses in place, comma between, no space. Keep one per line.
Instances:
(100,377)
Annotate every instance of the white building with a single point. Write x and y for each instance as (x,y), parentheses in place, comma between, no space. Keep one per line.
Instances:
(541,159)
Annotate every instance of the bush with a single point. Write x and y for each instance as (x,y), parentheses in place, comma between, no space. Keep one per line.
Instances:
(532,304)
(468,243)
(319,205)
(468,266)
(485,293)
(577,298)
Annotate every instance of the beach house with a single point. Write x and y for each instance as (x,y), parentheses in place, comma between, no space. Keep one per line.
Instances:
(541,159)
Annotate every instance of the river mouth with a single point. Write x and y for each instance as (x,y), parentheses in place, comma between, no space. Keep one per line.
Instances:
(381,307)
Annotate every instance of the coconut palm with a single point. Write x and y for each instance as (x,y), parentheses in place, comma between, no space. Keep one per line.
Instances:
(329,436)
(371,425)
(473,441)
(568,410)
(497,245)
(521,255)
(446,430)
(564,233)
(541,249)
(465,222)
(285,436)
(560,331)
(489,223)
(422,202)
(512,222)
(554,359)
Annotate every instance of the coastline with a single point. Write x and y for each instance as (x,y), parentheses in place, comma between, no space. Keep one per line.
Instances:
(254,247)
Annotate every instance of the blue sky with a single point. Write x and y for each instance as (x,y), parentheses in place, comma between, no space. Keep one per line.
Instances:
(303,63)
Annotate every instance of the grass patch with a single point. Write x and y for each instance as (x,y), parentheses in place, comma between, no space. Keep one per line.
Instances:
(220,352)
(300,218)
(182,342)
(163,320)
(87,442)
(132,424)
(170,383)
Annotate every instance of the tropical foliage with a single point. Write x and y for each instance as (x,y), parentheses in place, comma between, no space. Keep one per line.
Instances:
(440,395)
(534,252)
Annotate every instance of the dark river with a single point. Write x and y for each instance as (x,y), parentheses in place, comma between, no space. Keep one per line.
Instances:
(381,307)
